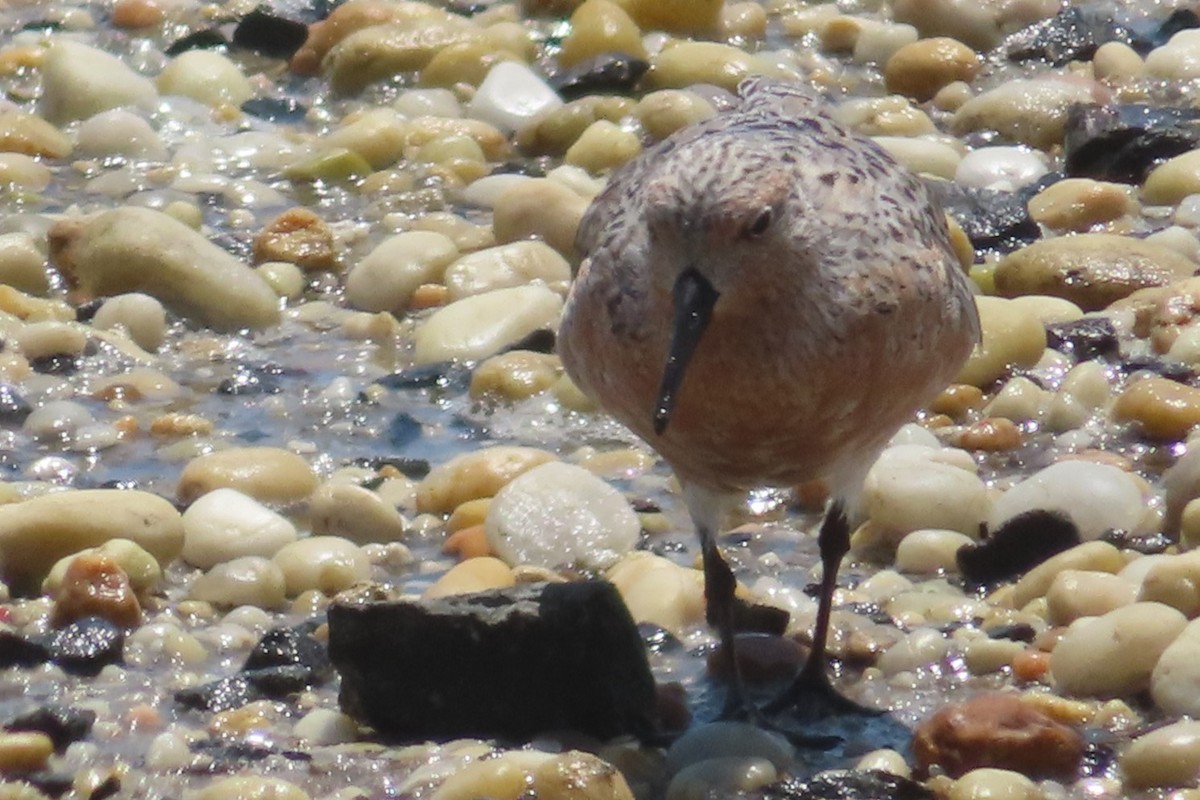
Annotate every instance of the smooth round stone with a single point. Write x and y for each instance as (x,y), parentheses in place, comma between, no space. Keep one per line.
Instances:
(922,155)
(918,650)
(1182,483)
(24,172)
(381,52)
(988,783)
(1074,594)
(884,760)
(36,533)
(599,27)
(1173,180)
(659,591)
(1012,337)
(667,110)
(553,133)
(41,339)
(1049,309)
(251,787)
(1174,581)
(511,96)
(476,474)
(286,280)
(479,326)
(79,81)
(1032,112)
(1165,757)
(354,513)
(22,265)
(385,279)
(539,208)
(1097,497)
(205,76)
(576,775)
(1091,270)
(728,739)
(1000,167)
(730,774)
(379,136)
(515,375)
(95,586)
(57,420)
(140,315)
(31,136)
(1163,409)
(921,69)
(327,564)
(675,16)
(974,24)
(1115,654)
(473,575)
(907,491)
(559,514)
(1175,682)
(225,524)
(133,249)
(684,64)
(268,474)
(930,551)
(428,102)
(1178,59)
(24,751)
(506,776)
(1078,204)
(464,63)
(1087,557)
(119,132)
(892,115)
(506,266)
(984,656)
(324,726)
(602,147)
(245,581)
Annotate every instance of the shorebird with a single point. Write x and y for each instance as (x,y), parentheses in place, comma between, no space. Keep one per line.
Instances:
(765,297)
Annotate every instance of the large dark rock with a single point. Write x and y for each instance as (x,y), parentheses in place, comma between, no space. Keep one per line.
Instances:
(1124,142)
(993,220)
(1071,35)
(608,73)
(506,663)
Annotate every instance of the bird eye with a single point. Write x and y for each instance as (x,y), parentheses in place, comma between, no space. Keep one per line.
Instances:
(761,223)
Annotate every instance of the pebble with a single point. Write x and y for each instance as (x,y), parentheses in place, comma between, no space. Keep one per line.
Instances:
(476,474)
(974,24)
(663,112)
(327,564)
(93,585)
(1091,270)
(506,266)
(30,135)
(506,776)
(142,569)
(1163,409)
(658,591)
(930,551)
(36,533)
(1182,484)
(1089,556)
(119,132)
(354,513)
(381,52)
(515,375)
(297,236)
(541,208)
(1097,497)
(79,81)
(577,775)
(599,27)
(44,339)
(251,787)
(386,278)
(511,96)
(922,649)
(472,575)
(23,752)
(245,581)
(1115,654)
(205,76)
(140,250)
(1174,581)
(22,265)
(270,475)
(994,784)
(923,155)
(1175,682)
(481,325)
(1032,112)
(921,69)
(225,524)
(685,64)
(1074,594)
(602,147)
(140,315)
(728,739)
(558,514)
(911,488)
(728,775)
(1079,204)
(324,726)
(1012,337)
(1176,60)
(378,135)
(1165,757)
(1170,182)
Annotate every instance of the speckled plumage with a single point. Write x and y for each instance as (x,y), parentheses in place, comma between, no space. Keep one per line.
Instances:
(830,330)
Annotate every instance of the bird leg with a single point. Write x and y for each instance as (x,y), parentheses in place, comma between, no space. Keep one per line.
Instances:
(719,587)
(812,693)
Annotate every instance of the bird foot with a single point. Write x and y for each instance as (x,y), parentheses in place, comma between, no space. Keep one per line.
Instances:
(812,696)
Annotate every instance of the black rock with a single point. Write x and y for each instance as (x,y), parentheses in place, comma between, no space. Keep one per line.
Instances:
(448,375)
(274,683)
(607,73)
(402,431)
(1085,339)
(273,36)
(86,646)
(539,341)
(1123,143)
(62,724)
(209,39)
(1013,632)
(1171,370)
(1143,39)
(507,663)
(56,364)
(281,110)
(993,220)
(414,468)
(13,407)
(289,647)
(1017,546)
(84,312)
(248,380)
(1071,35)
(17,651)
(849,785)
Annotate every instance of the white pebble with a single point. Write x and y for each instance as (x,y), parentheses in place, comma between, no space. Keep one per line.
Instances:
(1175,682)
(482,325)
(142,316)
(1096,497)
(324,726)
(1114,655)
(225,524)
(1002,167)
(918,650)
(1165,757)
(245,581)
(930,551)
(118,132)
(511,96)
(325,564)
(58,419)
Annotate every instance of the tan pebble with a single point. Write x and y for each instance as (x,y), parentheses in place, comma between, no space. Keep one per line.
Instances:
(326,564)
(599,27)
(666,111)
(1078,204)
(746,20)
(268,474)
(571,397)
(142,570)
(342,21)
(175,424)
(1012,337)
(885,116)
(994,434)
(1164,757)
(354,513)
(1093,556)
(20,58)
(839,34)
(297,236)
(994,784)
(921,69)
(1074,594)
(381,52)
(468,542)
(957,400)
(472,512)
(541,208)
(1162,408)
(576,775)
(31,135)
(240,721)
(1116,62)
(1114,654)
(603,147)
(1174,582)
(675,16)
(686,64)
(251,787)
(429,295)
(1173,180)
(140,383)
(24,751)
(504,777)
(554,132)
(494,143)
(474,475)
(618,464)
(515,375)
(466,63)
(659,591)
(137,13)
(1032,112)
(472,575)
(94,586)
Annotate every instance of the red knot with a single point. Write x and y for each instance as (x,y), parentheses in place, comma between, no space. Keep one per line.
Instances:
(766,297)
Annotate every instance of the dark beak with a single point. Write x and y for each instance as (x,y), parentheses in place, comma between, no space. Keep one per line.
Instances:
(694,300)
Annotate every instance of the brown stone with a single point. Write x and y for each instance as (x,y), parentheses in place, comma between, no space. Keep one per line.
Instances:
(1163,409)
(1000,731)
(137,13)
(993,435)
(94,586)
(297,236)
